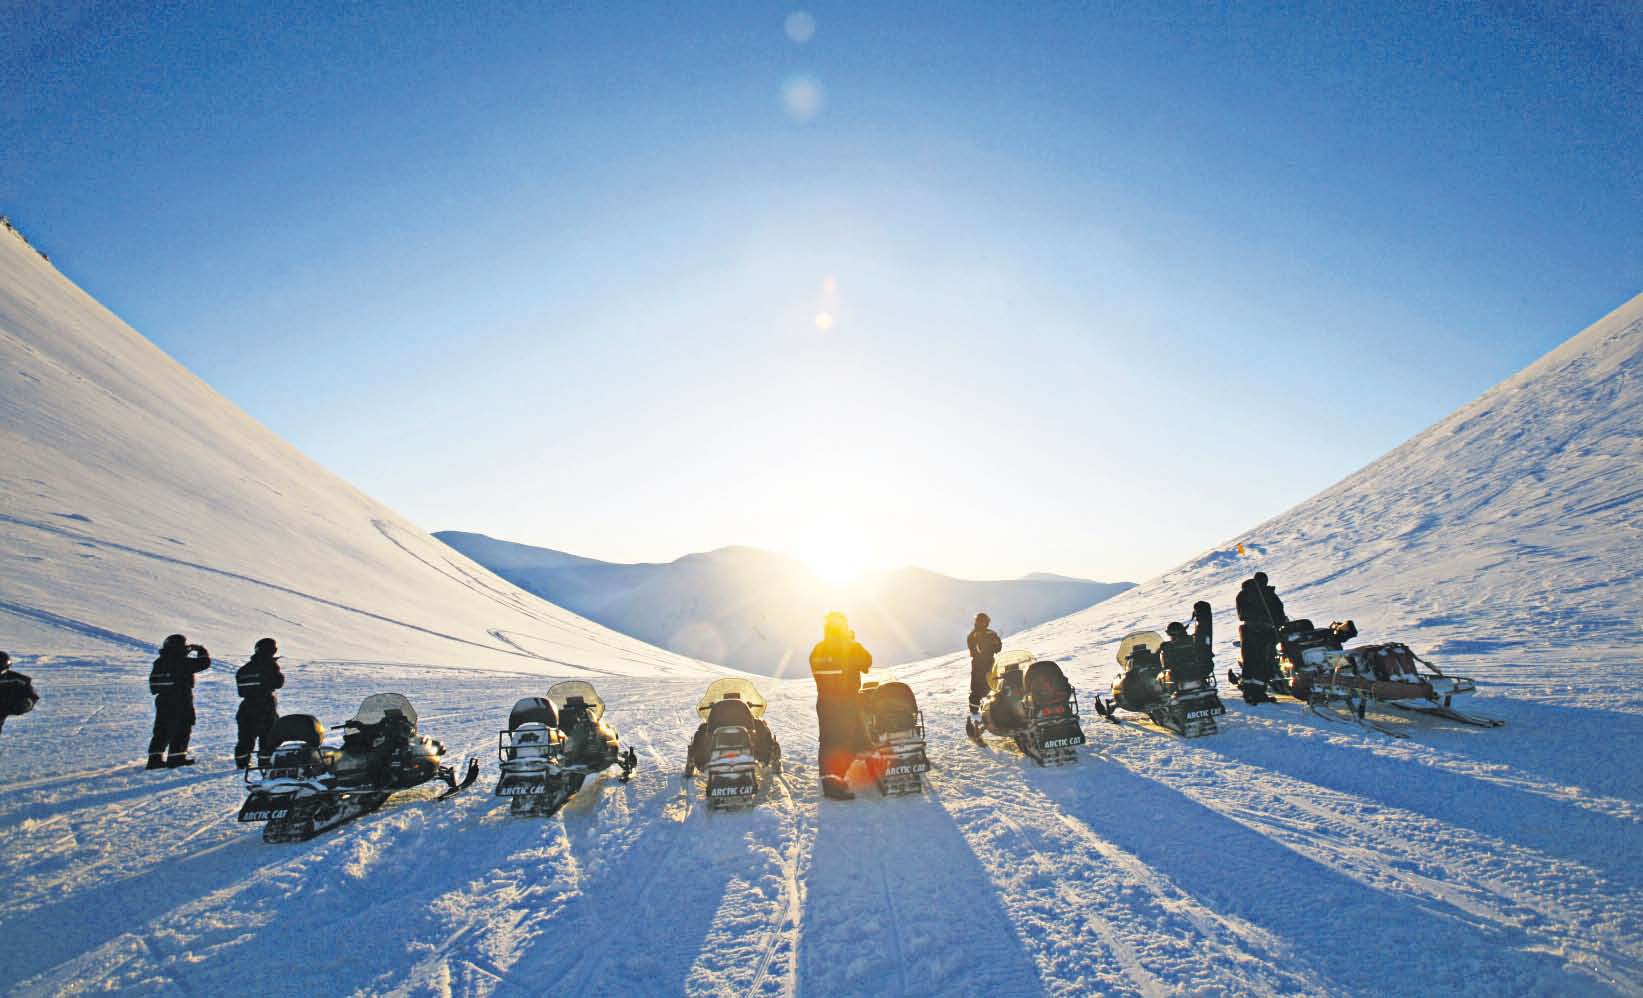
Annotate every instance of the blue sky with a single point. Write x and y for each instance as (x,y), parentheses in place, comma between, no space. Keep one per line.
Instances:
(1105,284)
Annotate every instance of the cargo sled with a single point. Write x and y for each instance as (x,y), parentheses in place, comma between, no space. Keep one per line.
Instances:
(1344,684)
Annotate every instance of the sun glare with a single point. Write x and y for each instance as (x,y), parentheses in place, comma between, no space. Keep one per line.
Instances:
(835,548)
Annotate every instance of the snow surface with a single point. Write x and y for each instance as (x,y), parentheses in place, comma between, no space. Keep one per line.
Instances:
(1286,854)
(759,611)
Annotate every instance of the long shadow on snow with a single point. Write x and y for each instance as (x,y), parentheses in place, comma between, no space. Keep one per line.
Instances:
(638,927)
(1599,841)
(897,903)
(1544,739)
(1358,938)
(350,902)
(140,787)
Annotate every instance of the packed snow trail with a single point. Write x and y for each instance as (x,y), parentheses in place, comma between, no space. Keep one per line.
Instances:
(1280,856)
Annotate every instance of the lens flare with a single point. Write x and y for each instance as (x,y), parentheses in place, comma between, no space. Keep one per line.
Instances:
(802,98)
(824,321)
(800,26)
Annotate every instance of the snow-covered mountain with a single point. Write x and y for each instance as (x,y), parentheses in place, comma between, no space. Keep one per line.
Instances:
(1507,538)
(761,612)
(135,501)
(1285,855)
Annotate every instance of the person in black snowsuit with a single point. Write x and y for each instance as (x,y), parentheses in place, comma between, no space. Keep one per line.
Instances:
(259,707)
(172,683)
(984,644)
(1261,614)
(17,694)
(836,663)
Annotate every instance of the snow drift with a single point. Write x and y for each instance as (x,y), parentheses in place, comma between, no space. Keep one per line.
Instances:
(135,501)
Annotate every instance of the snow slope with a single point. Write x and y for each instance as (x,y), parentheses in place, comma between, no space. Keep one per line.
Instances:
(1285,855)
(761,612)
(135,501)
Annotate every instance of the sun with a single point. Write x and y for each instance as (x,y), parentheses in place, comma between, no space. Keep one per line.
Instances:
(836,548)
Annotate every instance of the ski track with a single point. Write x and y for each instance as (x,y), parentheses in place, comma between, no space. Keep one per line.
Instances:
(1281,856)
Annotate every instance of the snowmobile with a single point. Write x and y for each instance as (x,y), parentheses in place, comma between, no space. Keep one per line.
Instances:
(1340,683)
(308,785)
(553,744)
(895,735)
(1031,703)
(1167,680)
(733,747)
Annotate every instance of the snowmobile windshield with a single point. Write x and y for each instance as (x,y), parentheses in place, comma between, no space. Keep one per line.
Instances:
(561,694)
(732,688)
(377,705)
(1151,640)
(1011,659)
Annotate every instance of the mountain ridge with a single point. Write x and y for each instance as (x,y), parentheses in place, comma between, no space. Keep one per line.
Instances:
(760,610)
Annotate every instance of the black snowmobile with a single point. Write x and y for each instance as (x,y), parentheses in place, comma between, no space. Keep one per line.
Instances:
(733,746)
(1032,704)
(1340,683)
(308,786)
(895,736)
(1170,681)
(553,744)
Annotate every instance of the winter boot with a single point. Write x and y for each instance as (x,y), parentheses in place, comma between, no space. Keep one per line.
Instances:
(1255,692)
(242,762)
(834,788)
(179,760)
(155,762)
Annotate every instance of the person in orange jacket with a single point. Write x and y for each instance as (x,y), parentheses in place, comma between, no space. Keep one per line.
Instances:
(836,663)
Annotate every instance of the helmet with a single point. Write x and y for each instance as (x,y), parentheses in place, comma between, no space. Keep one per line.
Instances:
(1175,627)
(982,620)
(835,623)
(5,660)
(174,641)
(266,646)
(1200,608)
(1260,578)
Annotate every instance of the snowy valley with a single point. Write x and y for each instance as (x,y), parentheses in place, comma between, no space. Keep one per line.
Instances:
(1285,854)
(758,611)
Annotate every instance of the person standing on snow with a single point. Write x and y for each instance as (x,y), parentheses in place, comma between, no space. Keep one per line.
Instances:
(836,663)
(259,708)
(1261,613)
(17,694)
(983,643)
(172,683)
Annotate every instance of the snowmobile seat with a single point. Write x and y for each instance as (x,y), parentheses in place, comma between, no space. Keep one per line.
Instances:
(730,711)
(892,706)
(304,728)
(532,710)
(1047,684)
(1184,661)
